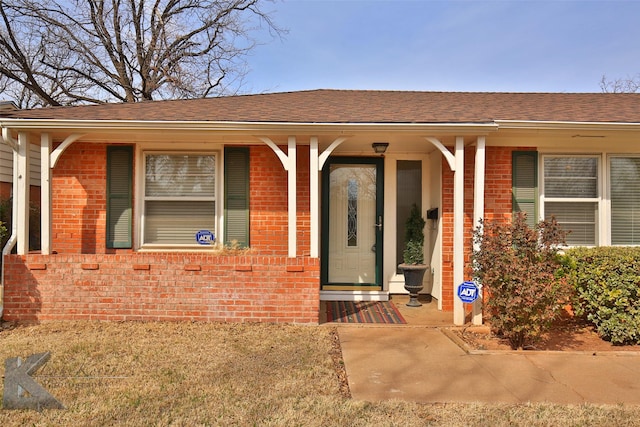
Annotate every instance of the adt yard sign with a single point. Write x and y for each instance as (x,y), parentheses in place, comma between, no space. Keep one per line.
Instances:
(468,292)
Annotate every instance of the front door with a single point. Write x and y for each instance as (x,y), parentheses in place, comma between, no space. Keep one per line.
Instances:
(352,221)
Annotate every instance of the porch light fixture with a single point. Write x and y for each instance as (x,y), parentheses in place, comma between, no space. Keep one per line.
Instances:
(380,147)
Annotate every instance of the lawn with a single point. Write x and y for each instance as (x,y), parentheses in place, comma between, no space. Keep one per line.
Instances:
(200,374)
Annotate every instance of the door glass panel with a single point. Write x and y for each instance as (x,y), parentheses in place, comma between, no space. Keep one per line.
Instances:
(352,224)
(352,213)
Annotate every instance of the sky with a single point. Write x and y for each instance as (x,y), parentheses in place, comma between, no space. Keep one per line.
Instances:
(455,45)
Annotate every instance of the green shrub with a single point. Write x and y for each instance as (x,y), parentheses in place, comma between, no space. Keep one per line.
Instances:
(414,237)
(607,284)
(522,275)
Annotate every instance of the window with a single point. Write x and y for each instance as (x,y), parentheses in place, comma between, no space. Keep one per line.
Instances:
(571,195)
(625,200)
(572,192)
(409,192)
(179,199)
(352,213)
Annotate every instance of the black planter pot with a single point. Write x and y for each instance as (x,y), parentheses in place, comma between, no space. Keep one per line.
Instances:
(413,275)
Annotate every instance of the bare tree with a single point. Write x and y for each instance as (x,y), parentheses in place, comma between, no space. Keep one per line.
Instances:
(626,85)
(65,52)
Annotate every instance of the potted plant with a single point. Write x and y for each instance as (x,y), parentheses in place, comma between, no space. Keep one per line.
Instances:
(413,266)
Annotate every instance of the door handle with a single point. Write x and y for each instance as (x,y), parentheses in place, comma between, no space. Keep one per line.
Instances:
(379,224)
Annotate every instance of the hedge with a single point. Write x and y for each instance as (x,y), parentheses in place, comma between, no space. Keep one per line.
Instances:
(607,290)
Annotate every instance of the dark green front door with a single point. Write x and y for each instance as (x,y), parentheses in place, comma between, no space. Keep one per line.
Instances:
(352,222)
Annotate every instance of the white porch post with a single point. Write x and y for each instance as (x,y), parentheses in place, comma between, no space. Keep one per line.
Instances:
(293,211)
(45,193)
(458,230)
(314,195)
(21,193)
(478,211)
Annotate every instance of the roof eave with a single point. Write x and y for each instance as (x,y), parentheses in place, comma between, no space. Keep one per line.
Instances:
(226,126)
(567,125)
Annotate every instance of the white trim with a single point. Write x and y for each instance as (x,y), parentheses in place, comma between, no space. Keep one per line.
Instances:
(293,197)
(45,193)
(9,140)
(55,154)
(21,193)
(314,197)
(446,153)
(559,125)
(231,126)
(478,210)
(354,296)
(458,231)
(326,153)
(284,158)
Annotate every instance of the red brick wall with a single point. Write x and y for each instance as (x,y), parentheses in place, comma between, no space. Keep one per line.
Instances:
(498,205)
(84,280)
(304,202)
(158,286)
(5,190)
(78,193)
(269,202)
(79,201)
(447,236)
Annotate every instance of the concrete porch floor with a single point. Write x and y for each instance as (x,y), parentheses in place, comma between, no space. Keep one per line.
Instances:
(427,315)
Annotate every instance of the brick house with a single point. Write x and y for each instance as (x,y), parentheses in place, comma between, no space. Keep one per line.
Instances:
(137,199)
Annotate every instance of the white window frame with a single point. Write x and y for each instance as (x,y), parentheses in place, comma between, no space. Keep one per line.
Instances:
(599,199)
(140,180)
(607,187)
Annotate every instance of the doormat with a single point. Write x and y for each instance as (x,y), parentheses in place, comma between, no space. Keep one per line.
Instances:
(363,312)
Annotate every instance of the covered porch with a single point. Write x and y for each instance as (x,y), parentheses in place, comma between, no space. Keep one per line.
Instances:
(434,146)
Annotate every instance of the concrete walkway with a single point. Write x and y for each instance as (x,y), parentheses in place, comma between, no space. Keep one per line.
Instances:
(423,364)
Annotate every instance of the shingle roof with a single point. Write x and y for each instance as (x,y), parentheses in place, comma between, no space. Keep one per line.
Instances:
(356,106)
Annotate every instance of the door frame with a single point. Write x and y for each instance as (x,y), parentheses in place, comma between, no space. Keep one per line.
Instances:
(324,227)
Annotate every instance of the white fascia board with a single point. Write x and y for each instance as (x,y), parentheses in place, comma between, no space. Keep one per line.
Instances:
(558,125)
(115,125)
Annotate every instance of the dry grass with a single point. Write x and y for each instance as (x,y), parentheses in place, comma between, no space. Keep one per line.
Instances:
(191,374)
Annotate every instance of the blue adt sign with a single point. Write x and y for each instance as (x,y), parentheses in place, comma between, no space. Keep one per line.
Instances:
(205,237)
(468,292)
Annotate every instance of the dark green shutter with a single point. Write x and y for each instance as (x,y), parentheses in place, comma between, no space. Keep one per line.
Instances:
(525,184)
(236,195)
(119,196)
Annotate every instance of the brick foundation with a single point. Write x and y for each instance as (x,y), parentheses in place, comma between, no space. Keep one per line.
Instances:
(161,287)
